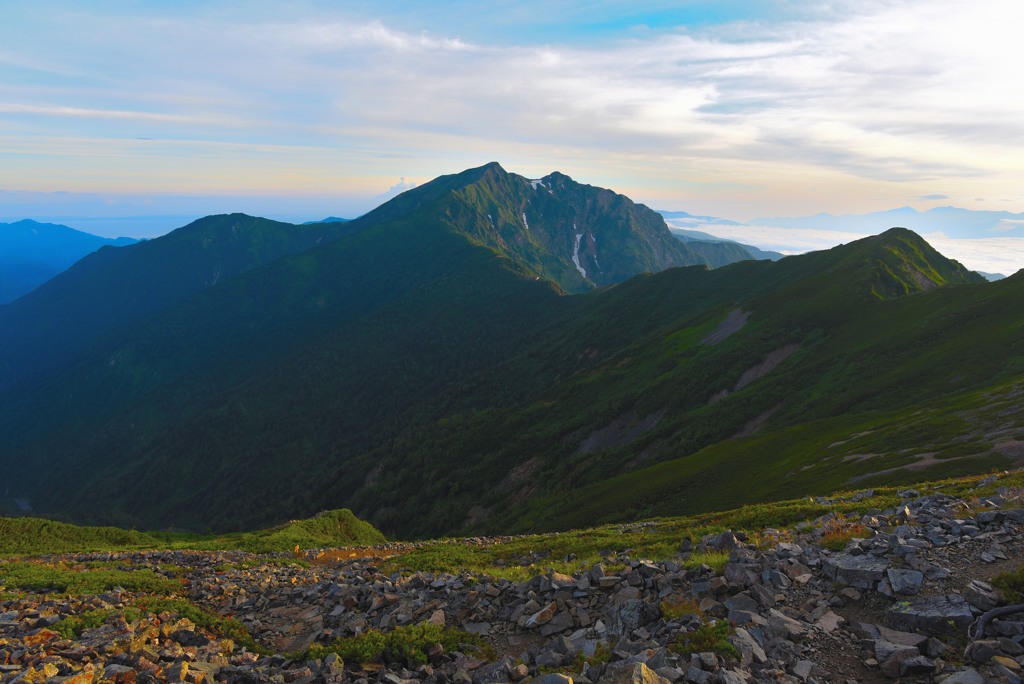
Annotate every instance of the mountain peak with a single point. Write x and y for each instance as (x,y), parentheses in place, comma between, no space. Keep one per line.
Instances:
(902,262)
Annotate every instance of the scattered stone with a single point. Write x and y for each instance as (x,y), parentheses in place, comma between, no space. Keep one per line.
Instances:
(786,603)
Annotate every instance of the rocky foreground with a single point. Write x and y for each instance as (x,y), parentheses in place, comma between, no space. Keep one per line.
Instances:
(910,601)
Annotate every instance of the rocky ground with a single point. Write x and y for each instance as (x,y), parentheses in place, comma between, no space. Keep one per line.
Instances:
(909,601)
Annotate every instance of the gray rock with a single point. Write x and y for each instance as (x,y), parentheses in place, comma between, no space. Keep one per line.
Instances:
(786,627)
(672,674)
(982,650)
(916,666)
(936,615)
(542,616)
(695,675)
(731,677)
(802,669)
(481,628)
(741,601)
(905,582)
(887,649)
(968,676)
(862,572)
(555,678)
(560,622)
(631,673)
(750,650)
(981,595)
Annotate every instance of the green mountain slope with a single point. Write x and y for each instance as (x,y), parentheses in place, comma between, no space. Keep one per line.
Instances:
(292,369)
(32,252)
(576,235)
(422,374)
(43,332)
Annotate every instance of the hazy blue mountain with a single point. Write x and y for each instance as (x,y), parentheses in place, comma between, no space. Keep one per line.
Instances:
(329,219)
(952,221)
(992,276)
(32,252)
(695,238)
(44,331)
(683,218)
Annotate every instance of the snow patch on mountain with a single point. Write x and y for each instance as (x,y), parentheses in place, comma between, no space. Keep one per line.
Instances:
(576,252)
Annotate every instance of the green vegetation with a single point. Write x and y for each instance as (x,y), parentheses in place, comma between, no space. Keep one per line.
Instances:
(839,531)
(226,628)
(660,538)
(711,637)
(677,608)
(408,642)
(60,577)
(1011,584)
(417,368)
(330,529)
(177,608)
(72,626)
(35,535)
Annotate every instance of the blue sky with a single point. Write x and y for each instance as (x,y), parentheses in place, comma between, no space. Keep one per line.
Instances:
(302,109)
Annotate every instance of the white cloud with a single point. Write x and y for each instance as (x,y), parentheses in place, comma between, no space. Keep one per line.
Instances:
(991,255)
(876,102)
(14,108)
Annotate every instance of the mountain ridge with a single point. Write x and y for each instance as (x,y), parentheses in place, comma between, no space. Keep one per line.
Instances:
(405,366)
(32,252)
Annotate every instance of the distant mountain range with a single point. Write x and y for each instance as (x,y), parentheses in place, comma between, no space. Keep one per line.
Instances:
(952,221)
(490,352)
(329,219)
(737,250)
(31,253)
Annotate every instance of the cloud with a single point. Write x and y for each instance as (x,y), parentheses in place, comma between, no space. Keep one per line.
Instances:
(13,108)
(826,103)
(930,198)
(395,190)
(992,255)
(1007,225)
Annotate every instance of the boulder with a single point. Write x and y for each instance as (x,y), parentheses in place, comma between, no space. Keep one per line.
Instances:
(935,615)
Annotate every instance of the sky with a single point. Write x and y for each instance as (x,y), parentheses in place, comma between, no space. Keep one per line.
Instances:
(129,117)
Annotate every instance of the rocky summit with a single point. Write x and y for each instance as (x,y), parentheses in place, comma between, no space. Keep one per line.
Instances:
(909,598)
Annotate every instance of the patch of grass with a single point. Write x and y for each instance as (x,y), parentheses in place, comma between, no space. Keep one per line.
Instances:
(35,535)
(72,626)
(840,530)
(328,529)
(710,637)
(678,607)
(1011,585)
(713,559)
(41,577)
(226,628)
(410,642)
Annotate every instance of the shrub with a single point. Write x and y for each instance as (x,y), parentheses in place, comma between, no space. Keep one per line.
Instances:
(45,577)
(713,559)
(227,628)
(410,642)
(72,626)
(710,637)
(678,607)
(837,532)
(1011,584)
